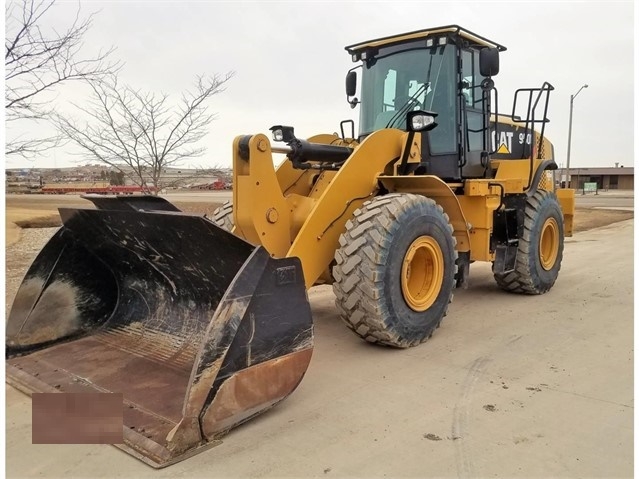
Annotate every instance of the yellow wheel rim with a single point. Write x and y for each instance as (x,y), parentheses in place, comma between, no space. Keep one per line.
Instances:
(422,273)
(549,244)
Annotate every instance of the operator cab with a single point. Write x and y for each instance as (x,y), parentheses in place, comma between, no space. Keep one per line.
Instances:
(444,72)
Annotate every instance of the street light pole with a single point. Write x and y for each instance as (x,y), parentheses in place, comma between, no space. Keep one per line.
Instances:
(572,99)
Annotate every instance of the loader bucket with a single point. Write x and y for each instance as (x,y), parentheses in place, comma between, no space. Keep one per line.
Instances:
(196,328)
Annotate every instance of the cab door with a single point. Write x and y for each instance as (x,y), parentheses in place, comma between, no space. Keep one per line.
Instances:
(473,115)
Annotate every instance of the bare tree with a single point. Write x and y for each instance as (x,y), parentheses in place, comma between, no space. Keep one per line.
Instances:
(141,133)
(36,61)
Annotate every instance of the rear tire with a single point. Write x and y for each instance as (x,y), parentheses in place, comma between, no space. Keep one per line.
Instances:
(223,216)
(540,248)
(395,270)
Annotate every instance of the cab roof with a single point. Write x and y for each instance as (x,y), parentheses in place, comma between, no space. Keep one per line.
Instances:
(473,38)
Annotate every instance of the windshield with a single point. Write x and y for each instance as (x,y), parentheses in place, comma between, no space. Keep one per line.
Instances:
(419,79)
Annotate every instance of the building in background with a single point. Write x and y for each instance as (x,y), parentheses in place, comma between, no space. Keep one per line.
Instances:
(615,178)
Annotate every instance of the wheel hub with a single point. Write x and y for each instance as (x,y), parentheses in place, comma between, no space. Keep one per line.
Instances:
(549,244)
(422,273)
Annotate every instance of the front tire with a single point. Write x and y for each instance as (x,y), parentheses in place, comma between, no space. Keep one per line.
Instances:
(540,249)
(395,270)
(223,216)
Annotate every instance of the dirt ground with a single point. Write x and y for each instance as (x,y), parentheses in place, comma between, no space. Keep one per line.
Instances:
(509,386)
(28,212)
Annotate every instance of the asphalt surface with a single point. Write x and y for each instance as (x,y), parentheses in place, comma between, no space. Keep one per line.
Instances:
(606,200)
(509,386)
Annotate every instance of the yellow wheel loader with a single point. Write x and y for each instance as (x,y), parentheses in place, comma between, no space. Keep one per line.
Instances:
(203,323)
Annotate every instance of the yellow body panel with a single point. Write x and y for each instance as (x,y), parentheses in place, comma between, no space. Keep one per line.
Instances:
(480,188)
(514,174)
(294,181)
(546,181)
(261,214)
(354,183)
(441,193)
(566,197)
(307,220)
(479,214)
(470,214)
(301,213)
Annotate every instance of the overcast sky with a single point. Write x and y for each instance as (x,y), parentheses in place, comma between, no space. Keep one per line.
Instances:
(290,62)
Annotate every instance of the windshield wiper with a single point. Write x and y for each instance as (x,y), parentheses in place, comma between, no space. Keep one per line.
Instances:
(400,113)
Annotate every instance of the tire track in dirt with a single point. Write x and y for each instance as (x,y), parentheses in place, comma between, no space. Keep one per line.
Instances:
(461,413)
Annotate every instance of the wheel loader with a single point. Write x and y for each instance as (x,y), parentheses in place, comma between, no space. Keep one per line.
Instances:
(203,323)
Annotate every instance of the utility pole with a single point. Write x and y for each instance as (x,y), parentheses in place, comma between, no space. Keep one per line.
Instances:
(572,99)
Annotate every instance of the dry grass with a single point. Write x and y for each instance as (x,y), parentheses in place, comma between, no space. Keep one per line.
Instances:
(589,218)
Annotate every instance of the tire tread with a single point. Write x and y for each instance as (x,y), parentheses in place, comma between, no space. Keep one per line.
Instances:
(223,216)
(359,269)
(523,279)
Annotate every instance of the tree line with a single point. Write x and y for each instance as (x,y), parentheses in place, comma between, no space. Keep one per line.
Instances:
(135,131)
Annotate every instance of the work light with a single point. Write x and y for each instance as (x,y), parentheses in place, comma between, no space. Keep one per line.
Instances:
(421,120)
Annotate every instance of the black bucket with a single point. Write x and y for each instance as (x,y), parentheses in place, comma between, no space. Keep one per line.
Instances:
(165,308)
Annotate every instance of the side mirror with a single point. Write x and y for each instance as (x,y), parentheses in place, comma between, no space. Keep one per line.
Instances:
(489,62)
(351,83)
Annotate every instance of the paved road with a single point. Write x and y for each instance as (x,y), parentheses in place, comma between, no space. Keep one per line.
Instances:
(509,386)
(605,201)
